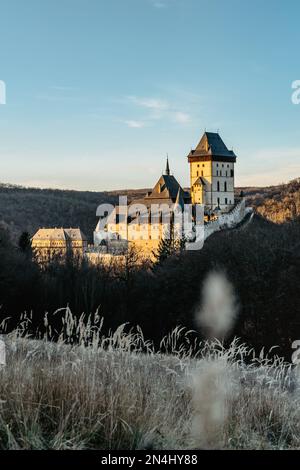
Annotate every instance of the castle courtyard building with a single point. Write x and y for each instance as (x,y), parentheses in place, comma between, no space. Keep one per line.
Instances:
(149,217)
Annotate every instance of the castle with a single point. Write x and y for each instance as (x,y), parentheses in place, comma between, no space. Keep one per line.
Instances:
(212,186)
(142,223)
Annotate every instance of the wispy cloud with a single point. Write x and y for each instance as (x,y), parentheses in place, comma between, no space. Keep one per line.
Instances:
(181,118)
(150,103)
(135,124)
(157,109)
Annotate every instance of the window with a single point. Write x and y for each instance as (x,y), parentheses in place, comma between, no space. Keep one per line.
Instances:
(198,166)
(197,173)
(225,200)
(218,186)
(231,173)
(217,164)
(203,164)
(201,173)
(218,201)
(217,172)
(225,186)
(226,173)
(228,165)
(222,165)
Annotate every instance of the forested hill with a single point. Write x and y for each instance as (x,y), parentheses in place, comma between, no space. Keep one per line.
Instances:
(27,209)
(276,203)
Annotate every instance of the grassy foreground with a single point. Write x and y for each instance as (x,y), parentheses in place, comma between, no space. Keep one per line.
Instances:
(118,394)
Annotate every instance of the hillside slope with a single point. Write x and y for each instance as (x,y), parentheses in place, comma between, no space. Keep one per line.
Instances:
(27,209)
(276,203)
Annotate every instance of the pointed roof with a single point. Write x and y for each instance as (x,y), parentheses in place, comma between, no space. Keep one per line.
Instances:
(59,234)
(166,191)
(50,234)
(167,172)
(166,188)
(211,145)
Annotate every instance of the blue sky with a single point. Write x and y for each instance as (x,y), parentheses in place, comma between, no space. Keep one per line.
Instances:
(98,91)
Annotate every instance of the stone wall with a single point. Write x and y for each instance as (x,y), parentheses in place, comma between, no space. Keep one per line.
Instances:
(228,220)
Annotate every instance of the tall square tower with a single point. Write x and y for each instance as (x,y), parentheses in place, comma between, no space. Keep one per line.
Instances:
(212,174)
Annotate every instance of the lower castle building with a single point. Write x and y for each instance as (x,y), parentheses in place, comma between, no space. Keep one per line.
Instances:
(49,243)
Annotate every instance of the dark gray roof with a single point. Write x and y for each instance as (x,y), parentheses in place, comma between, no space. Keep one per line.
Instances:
(212,144)
(166,191)
(166,188)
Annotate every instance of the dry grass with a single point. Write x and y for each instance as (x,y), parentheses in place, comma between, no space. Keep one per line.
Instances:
(116,393)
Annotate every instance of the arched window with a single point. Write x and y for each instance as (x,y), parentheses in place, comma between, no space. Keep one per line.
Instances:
(225,186)
(218,186)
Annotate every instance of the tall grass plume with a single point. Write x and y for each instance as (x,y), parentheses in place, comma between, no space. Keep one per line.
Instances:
(218,310)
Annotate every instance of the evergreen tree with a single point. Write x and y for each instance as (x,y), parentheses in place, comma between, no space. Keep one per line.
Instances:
(25,243)
(169,245)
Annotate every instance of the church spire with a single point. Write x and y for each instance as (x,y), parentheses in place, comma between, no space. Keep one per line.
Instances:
(167,172)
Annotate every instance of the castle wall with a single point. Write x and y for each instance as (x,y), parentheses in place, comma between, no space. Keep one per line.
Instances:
(228,220)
